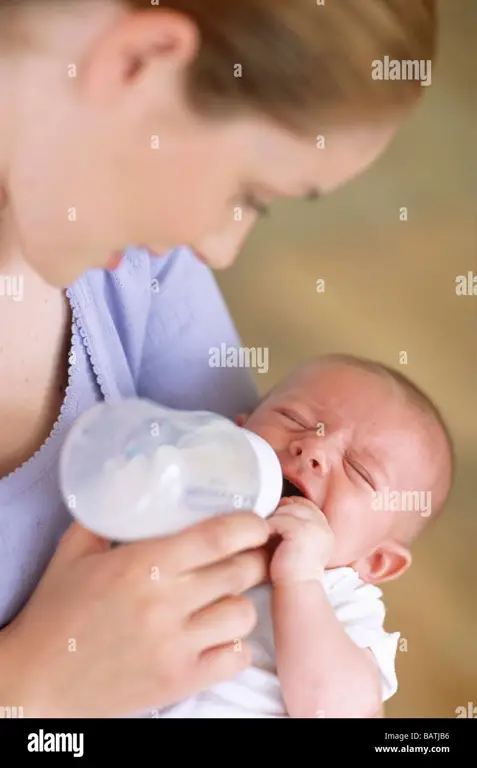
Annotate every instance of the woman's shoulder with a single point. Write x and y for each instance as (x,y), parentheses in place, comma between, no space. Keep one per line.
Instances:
(152,327)
(113,310)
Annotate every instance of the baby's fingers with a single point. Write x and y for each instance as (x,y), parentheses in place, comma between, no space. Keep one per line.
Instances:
(296,506)
(286,526)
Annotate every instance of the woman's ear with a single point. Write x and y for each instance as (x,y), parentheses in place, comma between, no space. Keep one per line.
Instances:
(140,46)
(387,562)
(241,419)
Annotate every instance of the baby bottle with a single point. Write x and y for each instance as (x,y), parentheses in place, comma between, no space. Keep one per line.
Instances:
(133,469)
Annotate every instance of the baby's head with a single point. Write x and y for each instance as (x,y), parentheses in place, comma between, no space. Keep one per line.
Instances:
(368,448)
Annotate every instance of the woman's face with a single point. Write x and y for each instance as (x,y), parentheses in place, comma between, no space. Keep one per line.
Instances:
(113,157)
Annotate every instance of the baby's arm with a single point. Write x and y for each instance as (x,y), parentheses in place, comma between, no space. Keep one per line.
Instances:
(322,671)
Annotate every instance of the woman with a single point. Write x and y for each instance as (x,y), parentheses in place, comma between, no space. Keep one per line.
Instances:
(125,123)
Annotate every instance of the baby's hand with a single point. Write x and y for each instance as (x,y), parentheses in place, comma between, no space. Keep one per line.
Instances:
(307,541)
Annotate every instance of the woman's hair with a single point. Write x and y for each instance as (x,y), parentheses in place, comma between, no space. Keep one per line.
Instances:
(303,63)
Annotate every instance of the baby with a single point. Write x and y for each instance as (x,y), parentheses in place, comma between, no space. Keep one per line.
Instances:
(367,462)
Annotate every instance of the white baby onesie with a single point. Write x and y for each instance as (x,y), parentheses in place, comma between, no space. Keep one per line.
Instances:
(256,691)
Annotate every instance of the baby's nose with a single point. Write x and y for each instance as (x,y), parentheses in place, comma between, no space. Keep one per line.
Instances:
(311,455)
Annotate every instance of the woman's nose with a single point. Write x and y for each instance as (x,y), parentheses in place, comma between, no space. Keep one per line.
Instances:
(221,249)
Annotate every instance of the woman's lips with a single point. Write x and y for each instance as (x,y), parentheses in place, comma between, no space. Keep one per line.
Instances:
(200,256)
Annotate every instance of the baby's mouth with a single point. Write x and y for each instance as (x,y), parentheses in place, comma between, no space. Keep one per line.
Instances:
(289,489)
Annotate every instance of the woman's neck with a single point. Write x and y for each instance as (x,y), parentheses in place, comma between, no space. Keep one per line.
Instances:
(35,333)
(10,253)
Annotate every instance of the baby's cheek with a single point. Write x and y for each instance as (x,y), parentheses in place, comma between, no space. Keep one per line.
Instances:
(349,521)
(273,434)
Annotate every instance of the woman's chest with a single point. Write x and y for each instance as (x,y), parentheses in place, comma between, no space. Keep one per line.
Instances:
(33,376)
(33,515)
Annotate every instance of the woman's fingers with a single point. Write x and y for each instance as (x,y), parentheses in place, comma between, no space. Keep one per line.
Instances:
(201,545)
(234,576)
(225,622)
(216,665)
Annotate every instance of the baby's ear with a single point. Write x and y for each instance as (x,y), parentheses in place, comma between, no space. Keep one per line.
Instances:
(241,419)
(386,563)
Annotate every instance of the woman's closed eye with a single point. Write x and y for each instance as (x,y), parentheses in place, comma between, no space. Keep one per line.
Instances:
(251,202)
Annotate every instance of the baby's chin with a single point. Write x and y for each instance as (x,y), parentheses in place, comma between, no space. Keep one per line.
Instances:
(298,501)
(339,562)
(343,555)
(291,491)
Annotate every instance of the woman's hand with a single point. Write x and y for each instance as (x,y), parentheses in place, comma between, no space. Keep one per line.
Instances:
(112,632)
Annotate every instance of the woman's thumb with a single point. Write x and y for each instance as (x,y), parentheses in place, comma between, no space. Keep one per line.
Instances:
(78,542)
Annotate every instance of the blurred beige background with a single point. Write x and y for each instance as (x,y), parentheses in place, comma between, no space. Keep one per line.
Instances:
(390,287)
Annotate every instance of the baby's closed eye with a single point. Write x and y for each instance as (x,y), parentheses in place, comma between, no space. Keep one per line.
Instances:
(359,470)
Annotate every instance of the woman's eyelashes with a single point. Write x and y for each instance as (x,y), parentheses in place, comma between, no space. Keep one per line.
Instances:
(251,202)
